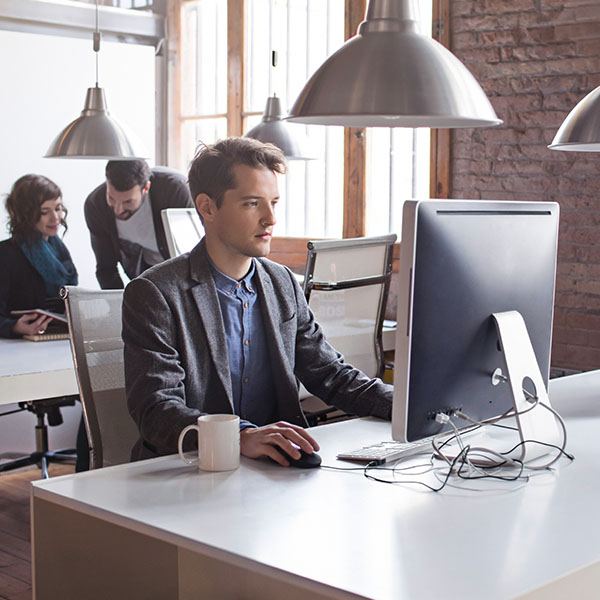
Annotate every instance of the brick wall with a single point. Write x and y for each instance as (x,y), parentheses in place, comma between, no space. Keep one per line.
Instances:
(536,59)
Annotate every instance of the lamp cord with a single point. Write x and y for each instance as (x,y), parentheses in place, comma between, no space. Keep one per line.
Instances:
(96,38)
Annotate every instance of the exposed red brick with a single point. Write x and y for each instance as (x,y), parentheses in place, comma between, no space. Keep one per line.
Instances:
(465,40)
(589,48)
(581,320)
(536,59)
(507,6)
(576,31)
(462,7)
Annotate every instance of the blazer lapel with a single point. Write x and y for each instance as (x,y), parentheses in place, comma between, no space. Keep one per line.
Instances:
(272,314)
(209,309)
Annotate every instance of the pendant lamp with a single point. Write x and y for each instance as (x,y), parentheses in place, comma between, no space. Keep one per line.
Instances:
(95,134)
(390,75)
(292,141)
(580,131)
(274,130)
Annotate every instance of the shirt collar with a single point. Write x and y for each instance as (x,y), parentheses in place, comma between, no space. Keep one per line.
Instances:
(224,283)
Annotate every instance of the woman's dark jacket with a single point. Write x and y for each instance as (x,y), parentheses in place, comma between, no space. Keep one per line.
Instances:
(21,286)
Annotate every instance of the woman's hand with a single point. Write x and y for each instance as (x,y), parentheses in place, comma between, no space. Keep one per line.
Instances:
(31,323)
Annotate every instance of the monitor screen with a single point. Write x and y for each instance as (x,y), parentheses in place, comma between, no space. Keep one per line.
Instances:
(183,229)
(460,262)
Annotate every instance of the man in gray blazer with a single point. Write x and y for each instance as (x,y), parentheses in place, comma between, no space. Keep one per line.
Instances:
(224,330)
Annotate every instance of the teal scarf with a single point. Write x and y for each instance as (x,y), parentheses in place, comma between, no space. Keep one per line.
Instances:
(52,261)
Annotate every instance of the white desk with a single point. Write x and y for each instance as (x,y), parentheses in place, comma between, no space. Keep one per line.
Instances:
(160,529)
(35,370)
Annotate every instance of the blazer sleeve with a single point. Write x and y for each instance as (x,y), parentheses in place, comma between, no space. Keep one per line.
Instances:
(180,196)
(154,375)
(169,189)
(324,373)
(102,243)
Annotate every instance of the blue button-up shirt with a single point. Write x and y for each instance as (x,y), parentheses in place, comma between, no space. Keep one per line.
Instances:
(254,398)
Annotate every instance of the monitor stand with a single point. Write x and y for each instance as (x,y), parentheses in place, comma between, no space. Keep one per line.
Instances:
(523,373)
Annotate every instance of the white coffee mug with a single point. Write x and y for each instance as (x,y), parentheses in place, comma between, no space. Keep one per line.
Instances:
(218,442)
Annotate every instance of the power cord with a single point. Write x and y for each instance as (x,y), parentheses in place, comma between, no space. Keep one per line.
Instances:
(472,462)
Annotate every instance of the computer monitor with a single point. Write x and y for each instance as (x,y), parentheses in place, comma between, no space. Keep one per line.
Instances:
(183,229)
(460,262)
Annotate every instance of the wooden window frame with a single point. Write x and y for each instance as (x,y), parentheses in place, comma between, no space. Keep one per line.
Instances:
(291,251)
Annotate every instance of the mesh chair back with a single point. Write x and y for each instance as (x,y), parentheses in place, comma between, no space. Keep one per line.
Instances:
(347,283)
(183,229)
(95,325)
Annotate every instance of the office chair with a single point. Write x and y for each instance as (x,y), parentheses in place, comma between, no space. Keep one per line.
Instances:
(183,229)
(95,323)
(43,409)
(346,284)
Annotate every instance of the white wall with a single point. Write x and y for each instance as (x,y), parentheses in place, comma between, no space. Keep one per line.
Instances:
(44,81)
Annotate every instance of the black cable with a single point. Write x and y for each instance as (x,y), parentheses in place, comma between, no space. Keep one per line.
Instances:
(361,468)
(10,412)
(491,475)
(413,482)
(554,446)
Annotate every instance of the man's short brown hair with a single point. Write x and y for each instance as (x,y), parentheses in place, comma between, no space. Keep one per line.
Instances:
(211,171)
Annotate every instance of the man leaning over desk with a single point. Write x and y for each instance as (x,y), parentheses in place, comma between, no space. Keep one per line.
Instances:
(123,216)
(225,330)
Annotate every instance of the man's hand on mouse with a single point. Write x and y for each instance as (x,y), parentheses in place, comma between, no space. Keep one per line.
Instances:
(256,442)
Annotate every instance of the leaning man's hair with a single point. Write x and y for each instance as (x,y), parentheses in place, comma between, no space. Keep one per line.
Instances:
(211,171)
(126,174)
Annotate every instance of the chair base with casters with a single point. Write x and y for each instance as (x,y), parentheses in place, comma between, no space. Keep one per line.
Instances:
(42,456)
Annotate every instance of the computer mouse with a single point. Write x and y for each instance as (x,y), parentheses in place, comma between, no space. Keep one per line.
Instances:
(306,461)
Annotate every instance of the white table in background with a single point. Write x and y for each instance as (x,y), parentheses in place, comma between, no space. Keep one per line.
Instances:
(35,370)
(160,529)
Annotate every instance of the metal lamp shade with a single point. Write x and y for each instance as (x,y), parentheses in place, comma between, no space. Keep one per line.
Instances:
(390,75)
(95,134)
(580,131)
(273,130)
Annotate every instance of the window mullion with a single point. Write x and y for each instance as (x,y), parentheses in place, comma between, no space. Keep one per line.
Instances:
(235,67)
(355,167)
(439,186)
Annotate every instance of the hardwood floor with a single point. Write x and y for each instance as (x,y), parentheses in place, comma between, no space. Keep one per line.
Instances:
(15,555)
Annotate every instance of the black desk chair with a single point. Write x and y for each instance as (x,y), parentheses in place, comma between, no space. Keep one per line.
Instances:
(43,409)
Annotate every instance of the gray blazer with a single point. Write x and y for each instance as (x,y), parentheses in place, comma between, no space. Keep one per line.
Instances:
(176,362)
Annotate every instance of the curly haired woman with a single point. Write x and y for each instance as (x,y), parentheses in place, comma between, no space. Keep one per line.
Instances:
(34,261)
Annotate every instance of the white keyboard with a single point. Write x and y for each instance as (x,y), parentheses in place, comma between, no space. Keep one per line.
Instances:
(386,451)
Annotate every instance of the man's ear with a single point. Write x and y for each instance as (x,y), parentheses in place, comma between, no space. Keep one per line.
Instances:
(146,188)
(206,207)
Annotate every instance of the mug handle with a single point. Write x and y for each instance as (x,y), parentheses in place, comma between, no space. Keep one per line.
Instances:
(180,445)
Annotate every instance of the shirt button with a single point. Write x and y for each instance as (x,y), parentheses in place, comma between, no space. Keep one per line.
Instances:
(229,293)
(245,380)
(247,342)
(250,287)
(239,285)
(245,305)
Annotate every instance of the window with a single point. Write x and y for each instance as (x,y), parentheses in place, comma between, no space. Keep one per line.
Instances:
(398,162)
(122,3)
(285,42)
(203,75)
(236,53)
